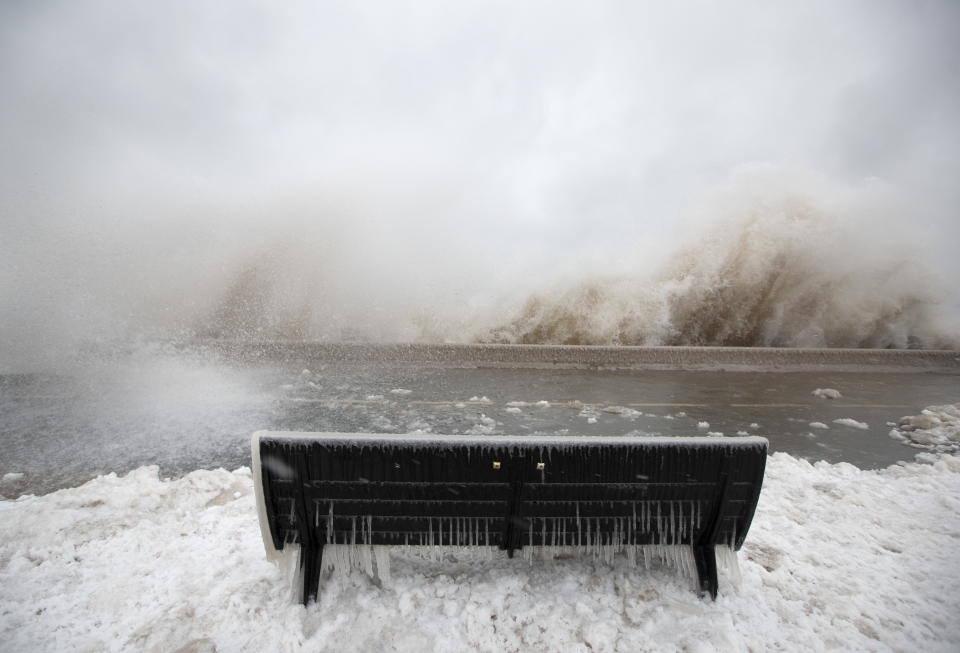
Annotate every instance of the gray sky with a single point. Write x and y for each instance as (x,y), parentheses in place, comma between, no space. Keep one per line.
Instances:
(150,148)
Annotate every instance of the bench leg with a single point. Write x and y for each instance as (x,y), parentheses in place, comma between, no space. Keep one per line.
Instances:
(310,557)
(706,559)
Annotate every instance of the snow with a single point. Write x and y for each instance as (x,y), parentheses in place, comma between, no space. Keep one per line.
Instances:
(818,425)
(11,477)
(703,425)
(826,393)
(400,391)
(852,423)
(837,558)
(531,441)
(513,409)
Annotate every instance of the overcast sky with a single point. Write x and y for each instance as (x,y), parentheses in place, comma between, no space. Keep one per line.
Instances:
(145,139)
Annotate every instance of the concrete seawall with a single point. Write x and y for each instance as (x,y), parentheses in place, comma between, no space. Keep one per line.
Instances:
(581,357)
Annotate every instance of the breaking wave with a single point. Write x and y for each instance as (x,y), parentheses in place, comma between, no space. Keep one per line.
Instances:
(785,273)
(771,259)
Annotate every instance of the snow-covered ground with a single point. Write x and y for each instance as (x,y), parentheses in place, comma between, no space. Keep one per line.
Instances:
(836,557)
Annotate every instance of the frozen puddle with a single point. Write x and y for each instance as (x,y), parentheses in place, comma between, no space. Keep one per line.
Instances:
(836,557)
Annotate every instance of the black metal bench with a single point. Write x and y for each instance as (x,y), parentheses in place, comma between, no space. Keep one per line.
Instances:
(637,495)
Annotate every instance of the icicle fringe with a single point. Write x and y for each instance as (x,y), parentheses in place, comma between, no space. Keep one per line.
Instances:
(374,560)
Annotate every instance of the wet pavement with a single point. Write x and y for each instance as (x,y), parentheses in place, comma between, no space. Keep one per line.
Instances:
(61,429)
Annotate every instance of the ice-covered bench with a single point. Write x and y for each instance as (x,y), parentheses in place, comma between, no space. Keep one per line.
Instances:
(677,499)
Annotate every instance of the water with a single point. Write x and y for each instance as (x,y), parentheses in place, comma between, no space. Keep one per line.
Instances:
(181,414)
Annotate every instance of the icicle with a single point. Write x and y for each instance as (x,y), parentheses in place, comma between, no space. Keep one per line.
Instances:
(681,523)
(728,561)
(599,549)
(330,530)
(587,544)
(659,526)
(579,529)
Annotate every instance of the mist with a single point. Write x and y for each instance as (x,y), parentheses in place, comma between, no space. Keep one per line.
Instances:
(602,173)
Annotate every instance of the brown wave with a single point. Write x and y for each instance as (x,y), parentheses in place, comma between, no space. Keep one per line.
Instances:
(781,281)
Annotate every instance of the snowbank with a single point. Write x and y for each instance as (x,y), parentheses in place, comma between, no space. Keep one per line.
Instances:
(837,557)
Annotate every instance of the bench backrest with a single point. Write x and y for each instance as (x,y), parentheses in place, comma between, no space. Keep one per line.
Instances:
(509,492)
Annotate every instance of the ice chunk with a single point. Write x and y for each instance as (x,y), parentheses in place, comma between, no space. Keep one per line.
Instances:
(400,391)
(936,427)
(818,425)
(852,423)
(623,411)
(703,425)
(417,425)
(485,426)
(826,393)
